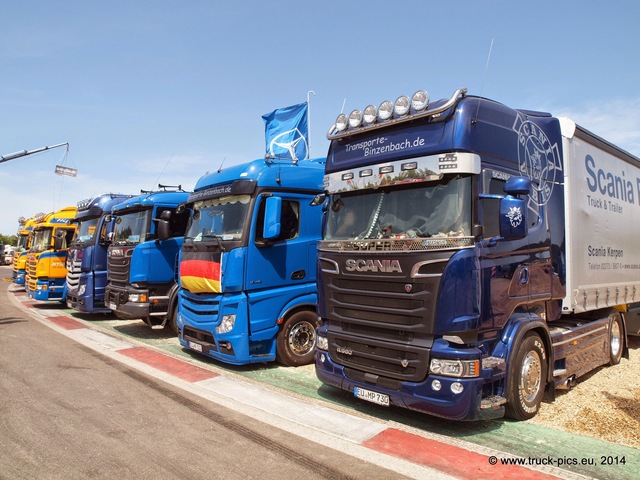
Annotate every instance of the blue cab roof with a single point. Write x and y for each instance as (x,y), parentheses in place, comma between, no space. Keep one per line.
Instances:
(148,200)
(303,175)
(100,204)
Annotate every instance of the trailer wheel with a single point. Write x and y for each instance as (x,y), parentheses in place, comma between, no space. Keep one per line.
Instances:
(527,374)
(296,341)
(615,338)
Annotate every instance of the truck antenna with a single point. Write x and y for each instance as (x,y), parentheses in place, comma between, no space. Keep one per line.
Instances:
(486,69)
(165,167)
(222,163)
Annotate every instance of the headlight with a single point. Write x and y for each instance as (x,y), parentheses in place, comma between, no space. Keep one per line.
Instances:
(370,114)
(385,110)
(341,122)
(82,289)
(455,368)
(323,343)
(402,106)
(228,321)
(138,297)
(355,119)
(420,100)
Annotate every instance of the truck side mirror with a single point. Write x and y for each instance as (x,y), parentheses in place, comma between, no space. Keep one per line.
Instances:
(58,240)
(272,213)
(164,225)
(513,218)
(164,229)
(518,186)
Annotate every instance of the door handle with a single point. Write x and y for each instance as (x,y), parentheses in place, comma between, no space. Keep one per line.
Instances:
(298,275)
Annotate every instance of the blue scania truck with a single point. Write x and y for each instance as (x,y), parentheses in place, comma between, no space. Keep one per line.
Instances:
(87,256)
(248,264)
(475,258)
(142,262)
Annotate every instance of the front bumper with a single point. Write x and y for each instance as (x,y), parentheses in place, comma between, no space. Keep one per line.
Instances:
(417,396)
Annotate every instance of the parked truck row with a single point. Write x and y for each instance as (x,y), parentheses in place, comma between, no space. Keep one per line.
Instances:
(459,258)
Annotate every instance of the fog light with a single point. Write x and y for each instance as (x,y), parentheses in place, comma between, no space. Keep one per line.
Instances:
(323,358)
(457,387)
(436,385)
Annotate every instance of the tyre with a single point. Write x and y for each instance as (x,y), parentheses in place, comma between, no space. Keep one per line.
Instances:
(616,338)
(527,378)
(296,341)
(172,321)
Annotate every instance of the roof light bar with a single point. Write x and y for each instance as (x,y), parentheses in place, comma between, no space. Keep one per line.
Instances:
(388,113)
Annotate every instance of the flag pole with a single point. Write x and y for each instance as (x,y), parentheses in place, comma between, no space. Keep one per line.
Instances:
(309,123)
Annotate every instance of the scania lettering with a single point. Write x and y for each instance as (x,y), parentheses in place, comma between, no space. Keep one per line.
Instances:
(475,258)
(45,266)
(87,258)
(142,257)
(388,266)
(248,289)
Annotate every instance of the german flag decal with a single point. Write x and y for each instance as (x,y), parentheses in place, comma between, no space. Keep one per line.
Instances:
(200,272)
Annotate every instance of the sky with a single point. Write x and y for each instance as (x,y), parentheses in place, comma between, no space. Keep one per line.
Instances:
(163,91)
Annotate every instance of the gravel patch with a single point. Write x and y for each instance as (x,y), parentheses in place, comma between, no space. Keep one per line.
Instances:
(605,404)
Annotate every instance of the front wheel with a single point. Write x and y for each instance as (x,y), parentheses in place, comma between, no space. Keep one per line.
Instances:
(172,321)
(528,376)
(296,341)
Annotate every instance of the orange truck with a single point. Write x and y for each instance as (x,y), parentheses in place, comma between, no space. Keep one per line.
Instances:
(22,248)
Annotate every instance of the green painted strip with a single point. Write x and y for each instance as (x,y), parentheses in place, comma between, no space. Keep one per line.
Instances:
(524,439)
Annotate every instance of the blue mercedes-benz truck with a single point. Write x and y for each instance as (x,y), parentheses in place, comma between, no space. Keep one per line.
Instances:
(474,257)
(247,270)
(141,263)
(87,256)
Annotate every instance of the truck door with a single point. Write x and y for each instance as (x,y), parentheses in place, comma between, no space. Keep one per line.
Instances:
(514,273)
(279,262)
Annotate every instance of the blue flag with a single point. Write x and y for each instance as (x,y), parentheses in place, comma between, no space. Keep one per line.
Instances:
(287,132)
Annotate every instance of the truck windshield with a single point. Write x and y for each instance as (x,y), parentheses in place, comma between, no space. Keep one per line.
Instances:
(433,209)
(23,241)
(132,228)
(221,218)
(41,240)
(86,231)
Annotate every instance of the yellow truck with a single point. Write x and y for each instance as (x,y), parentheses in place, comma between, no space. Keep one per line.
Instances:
(25,227)
(45,269)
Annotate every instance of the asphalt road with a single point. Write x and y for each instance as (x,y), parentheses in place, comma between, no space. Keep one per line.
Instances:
(95,397)
(69,412)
